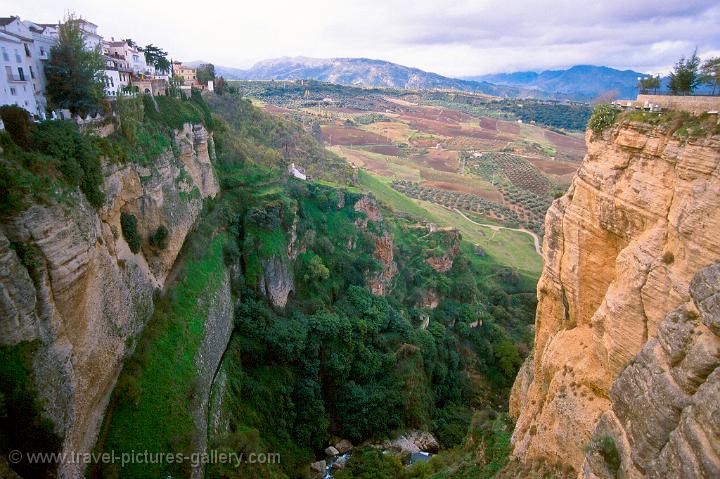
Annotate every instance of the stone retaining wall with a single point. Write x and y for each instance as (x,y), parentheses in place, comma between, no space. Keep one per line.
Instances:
(693,104)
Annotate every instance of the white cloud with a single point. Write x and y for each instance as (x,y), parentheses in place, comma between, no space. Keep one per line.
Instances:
(456,37)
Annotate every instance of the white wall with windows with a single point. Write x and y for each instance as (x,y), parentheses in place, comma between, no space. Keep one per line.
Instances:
(17,76)
(44,38)
(113,83)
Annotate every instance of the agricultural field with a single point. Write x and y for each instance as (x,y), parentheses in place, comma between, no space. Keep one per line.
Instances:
(500,159)
(506,247)
(457,200)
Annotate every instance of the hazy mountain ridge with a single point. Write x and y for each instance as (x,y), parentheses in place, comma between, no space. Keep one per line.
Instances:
(583,82)
(369,72)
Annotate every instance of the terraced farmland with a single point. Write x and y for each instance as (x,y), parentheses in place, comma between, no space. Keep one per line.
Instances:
(454,199)
(515,169)
(430,147)
(520,183)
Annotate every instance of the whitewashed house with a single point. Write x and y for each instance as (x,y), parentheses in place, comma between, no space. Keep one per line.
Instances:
(134,58)
(18,76)
(117,72)
(44,37)
(113,85)
(90,35)
(297,172)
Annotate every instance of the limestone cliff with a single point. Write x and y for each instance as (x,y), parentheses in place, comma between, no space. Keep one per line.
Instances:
(80,291)
(621,248)
(664,412)
(276,280)
(217,330)
(380,281)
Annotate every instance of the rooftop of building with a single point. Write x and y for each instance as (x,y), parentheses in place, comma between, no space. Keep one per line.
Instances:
(20,37)
(7,20)
(8,37)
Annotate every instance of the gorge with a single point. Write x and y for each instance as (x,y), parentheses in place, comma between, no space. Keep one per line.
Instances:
(207,301)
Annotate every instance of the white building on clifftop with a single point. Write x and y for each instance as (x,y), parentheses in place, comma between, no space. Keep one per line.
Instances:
(24,49)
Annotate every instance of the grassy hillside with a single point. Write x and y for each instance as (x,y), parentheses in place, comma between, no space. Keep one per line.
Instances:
(340,361)
(503,247)
(150,408)
(274,141)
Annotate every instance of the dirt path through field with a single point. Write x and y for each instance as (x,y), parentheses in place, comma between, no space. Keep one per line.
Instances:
(536,239)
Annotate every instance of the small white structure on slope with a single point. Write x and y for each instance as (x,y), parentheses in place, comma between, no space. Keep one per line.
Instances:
(297,172)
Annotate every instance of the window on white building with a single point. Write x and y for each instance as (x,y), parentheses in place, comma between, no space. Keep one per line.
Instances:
(5,55)
(8,72)
(18,58)
(32,73)
(13,91)
(42,51)
(21,74)
(27,49)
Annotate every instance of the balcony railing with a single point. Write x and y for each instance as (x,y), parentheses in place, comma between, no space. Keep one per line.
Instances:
(16,78)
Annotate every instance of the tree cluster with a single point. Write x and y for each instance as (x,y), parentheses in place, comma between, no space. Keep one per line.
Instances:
(689,73)
(205,73)
(128,224)
(75,76)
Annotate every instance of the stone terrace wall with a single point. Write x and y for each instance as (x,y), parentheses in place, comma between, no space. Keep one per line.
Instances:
(693,104)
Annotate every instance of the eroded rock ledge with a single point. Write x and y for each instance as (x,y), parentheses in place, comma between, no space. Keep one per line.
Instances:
(665,404)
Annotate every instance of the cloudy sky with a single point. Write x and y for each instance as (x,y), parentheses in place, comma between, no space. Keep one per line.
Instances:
(450,37)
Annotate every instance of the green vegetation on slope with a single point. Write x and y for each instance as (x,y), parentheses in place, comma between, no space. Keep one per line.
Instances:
(48,161)
(22,426)
(394,200)
(679,123)
(336,360)
(56,157)
(339,361)
(285,141)
(150,409)
(483,455)
(504,247)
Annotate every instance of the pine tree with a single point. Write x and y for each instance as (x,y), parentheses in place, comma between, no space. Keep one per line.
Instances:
(74,72)
(685,77)
(710,73)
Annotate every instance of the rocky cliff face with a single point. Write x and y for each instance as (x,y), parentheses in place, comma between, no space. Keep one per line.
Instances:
(621,248)
(276,281)
(379,282)
(218,328)
(82,294)
(664,412)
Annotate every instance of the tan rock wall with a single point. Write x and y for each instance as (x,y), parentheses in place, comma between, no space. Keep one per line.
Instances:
(89,295)
(663,419)
(380,282)
(640,218)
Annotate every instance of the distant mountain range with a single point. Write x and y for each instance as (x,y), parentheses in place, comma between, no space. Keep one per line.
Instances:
(367,72)
(581,82)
